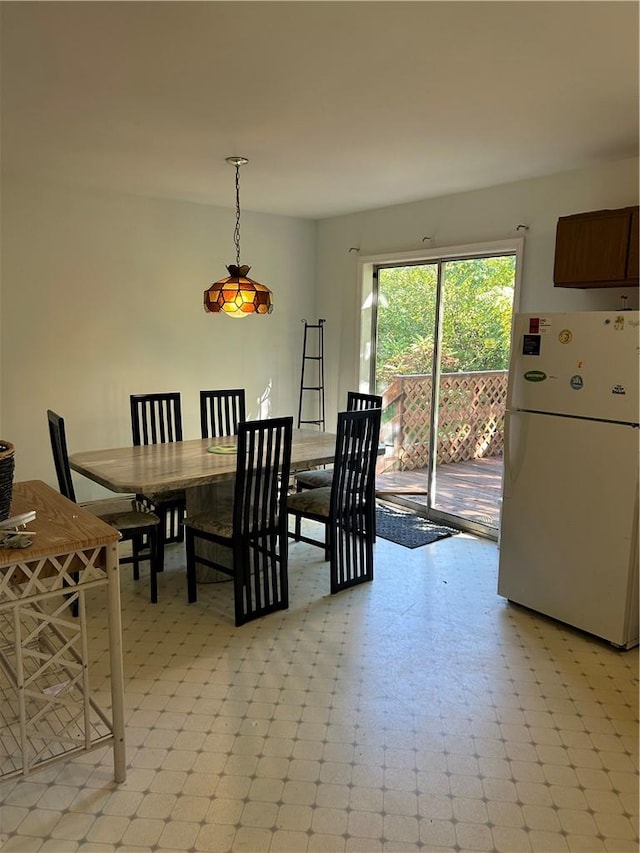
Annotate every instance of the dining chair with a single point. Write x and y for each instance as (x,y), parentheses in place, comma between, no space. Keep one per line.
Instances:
(253,527)
(319,477)
(346,508)
(133,521)
(157,419)
(221,412)
(315,479)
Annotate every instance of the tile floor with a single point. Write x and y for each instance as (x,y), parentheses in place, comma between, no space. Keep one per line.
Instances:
(417,713)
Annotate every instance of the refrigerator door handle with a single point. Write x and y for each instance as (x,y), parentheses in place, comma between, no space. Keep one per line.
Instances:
(515,442)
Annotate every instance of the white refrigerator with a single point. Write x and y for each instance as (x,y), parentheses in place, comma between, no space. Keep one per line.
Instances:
(569,523)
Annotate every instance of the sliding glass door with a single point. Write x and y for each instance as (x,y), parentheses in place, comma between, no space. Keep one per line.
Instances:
(440,339)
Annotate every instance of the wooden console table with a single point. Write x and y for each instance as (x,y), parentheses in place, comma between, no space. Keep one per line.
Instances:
(47,712)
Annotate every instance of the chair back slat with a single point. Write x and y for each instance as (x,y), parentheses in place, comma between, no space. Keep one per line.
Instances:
(156,418)
(357,402)
(58,437)
(221,411)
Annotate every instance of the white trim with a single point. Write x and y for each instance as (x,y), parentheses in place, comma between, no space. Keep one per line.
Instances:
(512,244)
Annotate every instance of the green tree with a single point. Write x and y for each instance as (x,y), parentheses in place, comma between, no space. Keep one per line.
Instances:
(476,320)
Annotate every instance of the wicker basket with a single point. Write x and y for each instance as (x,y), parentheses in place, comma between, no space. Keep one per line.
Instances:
(7,464)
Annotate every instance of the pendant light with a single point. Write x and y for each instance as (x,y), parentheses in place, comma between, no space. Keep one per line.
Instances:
(237,295)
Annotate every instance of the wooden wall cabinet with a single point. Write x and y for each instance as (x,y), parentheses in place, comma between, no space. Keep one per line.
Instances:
(597,249)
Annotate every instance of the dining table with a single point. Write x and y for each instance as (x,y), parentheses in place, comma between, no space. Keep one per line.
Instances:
(204,468)
(189,465)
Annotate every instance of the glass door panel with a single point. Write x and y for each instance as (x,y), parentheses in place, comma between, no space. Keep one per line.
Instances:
(441,343)
(477,305)
(407,306)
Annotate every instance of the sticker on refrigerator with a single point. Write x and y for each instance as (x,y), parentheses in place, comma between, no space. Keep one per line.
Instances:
(538,325)
(565,336)
(576,382)
(619,389)
(531,345)
(535,376)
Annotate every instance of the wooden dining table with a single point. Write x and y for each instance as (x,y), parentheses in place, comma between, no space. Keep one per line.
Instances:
(188,465)
(204,468)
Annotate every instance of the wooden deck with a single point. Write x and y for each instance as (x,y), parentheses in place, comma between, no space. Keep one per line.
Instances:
(471,489)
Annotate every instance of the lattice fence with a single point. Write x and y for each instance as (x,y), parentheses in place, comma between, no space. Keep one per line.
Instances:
(470,418)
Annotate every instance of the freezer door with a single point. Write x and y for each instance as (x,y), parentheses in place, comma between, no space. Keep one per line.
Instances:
(583,364)
(569,529)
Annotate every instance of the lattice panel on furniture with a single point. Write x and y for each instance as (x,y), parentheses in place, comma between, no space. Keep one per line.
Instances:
(58,716)
(33,577)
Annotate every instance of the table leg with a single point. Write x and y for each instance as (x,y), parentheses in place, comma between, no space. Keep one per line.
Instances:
(117,667)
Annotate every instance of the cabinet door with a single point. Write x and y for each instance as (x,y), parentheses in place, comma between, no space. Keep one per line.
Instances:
(592,248)
(633,264)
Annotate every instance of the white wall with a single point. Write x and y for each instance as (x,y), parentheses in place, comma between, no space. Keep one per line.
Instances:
(474,217)
(102,297)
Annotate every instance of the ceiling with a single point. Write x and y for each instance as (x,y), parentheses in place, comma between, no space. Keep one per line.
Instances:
(339,106)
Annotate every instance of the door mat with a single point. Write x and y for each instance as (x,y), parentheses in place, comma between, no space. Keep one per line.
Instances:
(405,528)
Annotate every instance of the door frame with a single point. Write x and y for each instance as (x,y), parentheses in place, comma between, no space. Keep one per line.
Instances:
(366,309)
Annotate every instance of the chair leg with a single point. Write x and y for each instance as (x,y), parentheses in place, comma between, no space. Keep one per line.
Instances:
(165,518)
(75,604)
(136,547)
(372,520)
(298,522)
(154,553)
(190,547)
(241,583)
(159,548)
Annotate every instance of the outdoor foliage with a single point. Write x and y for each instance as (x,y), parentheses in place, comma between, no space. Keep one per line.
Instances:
(476,320)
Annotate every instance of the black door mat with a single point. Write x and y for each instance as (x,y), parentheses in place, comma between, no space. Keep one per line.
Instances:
(408,529)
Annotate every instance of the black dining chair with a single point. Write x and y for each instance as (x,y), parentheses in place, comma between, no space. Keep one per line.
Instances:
(134,522)
(221,411)
(253,528)
(320,477)
(316,478)
(157,419)
(346,508)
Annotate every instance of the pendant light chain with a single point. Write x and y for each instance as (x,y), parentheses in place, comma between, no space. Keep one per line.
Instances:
(236,232)
(237,295)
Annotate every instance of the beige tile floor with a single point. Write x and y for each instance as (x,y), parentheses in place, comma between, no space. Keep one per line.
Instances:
(417,713)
